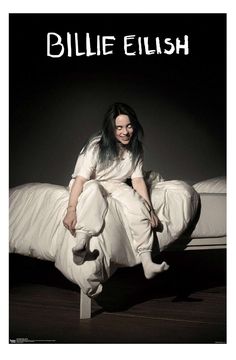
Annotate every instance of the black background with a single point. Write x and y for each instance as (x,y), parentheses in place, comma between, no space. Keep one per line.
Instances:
(55,104)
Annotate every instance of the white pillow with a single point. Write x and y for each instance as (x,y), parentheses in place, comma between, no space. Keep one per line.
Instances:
(214,185)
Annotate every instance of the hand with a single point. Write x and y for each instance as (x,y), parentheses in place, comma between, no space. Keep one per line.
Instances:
(70,221)
(153,219)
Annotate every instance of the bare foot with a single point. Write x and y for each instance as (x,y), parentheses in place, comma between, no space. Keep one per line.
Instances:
(152,269)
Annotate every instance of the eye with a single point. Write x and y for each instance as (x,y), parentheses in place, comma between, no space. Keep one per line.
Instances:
(129,126)
(118,127)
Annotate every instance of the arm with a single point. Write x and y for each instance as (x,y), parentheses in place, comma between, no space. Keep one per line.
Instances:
(84,167)
(139,185)
(70,218)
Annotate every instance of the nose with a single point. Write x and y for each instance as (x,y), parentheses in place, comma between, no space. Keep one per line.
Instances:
(125,131)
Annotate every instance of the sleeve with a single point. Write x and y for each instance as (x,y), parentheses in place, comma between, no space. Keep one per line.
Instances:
(86,163)
(138,170)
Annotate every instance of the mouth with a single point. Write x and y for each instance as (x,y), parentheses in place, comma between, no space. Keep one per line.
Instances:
(125,138)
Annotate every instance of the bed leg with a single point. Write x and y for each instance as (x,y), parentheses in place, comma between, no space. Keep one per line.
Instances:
(85,306)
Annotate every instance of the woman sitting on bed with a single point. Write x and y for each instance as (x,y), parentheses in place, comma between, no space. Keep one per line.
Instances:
(103,166)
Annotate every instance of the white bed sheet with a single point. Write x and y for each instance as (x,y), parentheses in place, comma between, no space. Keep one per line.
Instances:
(36,229)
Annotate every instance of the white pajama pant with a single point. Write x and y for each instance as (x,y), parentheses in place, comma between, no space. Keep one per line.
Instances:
(92,207)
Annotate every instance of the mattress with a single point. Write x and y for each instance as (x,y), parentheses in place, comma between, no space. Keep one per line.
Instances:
(212,220)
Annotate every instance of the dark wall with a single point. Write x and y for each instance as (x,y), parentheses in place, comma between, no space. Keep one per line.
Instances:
(55,104)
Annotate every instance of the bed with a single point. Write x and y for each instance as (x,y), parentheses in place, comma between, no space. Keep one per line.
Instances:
(208,230)
(185,213)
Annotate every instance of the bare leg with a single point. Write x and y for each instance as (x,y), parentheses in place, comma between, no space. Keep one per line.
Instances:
(150,268)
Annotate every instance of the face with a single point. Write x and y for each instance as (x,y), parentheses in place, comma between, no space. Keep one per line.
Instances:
(124,129)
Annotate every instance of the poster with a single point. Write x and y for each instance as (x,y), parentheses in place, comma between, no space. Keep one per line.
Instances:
(66,69)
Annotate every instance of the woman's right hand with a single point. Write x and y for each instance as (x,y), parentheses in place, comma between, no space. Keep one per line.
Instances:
(70,221)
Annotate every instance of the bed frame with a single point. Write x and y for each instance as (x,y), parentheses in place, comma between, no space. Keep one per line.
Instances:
(185,242)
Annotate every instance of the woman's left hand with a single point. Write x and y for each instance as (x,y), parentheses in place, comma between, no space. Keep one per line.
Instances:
(153,219)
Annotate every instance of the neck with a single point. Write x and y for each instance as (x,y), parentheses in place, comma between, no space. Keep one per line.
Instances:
(122,146)
(121,149)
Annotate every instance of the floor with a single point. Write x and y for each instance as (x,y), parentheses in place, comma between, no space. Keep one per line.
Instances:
(187,304)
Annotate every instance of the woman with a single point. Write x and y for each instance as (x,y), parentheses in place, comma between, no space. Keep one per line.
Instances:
(103,166)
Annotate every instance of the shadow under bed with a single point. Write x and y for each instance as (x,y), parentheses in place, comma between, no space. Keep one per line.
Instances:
(190,271)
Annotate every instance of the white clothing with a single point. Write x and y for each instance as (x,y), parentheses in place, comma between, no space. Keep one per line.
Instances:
(92,209)
(92,204)
(87,166)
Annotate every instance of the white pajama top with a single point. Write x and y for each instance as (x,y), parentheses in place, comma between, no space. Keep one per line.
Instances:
(122,169)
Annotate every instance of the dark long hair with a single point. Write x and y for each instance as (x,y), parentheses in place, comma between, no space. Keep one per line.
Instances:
(108,146)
